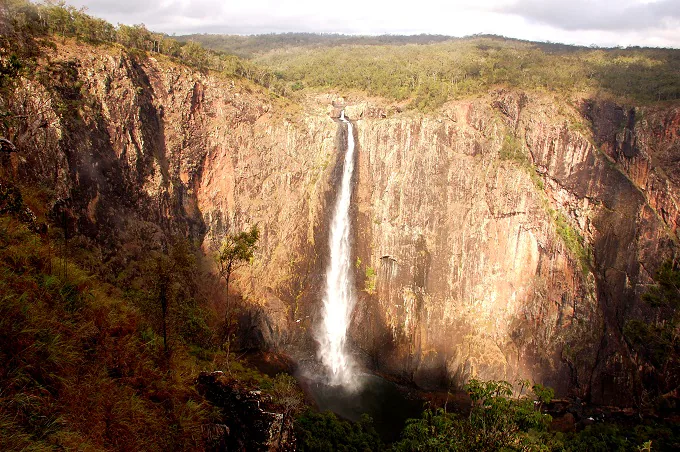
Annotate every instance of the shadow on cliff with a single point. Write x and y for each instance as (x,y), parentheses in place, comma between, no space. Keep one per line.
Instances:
(106,194)
(628,245)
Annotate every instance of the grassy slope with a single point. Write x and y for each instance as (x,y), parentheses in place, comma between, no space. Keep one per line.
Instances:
(82,360)
(79,365)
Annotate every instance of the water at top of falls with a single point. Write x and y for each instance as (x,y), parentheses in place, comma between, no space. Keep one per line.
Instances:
(338,300)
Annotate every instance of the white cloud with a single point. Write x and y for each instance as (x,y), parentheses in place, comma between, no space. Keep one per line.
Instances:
(585,22)
(622,15)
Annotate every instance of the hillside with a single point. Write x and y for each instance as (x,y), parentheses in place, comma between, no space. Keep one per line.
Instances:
(253,45)
(426,71)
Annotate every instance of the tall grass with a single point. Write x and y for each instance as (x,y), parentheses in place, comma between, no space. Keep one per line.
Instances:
(76,370)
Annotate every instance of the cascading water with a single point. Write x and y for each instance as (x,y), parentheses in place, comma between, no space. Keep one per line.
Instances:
(347,391)
(338,299)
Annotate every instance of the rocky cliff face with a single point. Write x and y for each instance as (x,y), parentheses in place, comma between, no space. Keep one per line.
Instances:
(473,250)
(466,222)
(140,148)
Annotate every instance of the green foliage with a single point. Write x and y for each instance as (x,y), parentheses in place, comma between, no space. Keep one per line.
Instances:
(423,71)
(437,70)
(162,282)
(9,70)
(497,421)
(654,342)
(666,291)
(28,23)
(655,339)
(287,394)
(320,432)
(236,250)
(544,394)
(435,431)
(572,240)
(246,374)
(606,437)
(512,150)
(371,280)
(253,45)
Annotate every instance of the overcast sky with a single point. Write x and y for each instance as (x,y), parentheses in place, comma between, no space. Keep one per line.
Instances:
(584,22)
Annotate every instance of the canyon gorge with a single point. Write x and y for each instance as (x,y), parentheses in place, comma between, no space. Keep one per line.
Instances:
(504,236)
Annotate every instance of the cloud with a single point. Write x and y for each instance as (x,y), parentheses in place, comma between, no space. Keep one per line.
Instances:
(585,22)
(607,15)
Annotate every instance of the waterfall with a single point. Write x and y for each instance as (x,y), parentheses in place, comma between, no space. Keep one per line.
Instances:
(338,300)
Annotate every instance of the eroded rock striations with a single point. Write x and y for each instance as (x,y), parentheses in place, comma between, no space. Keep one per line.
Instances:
(504,237)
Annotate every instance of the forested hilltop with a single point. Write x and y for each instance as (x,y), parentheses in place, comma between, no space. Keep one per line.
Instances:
(426,71)
(420,71)
(249,46)
(25,27)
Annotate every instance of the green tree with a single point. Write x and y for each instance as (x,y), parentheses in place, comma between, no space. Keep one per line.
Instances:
(497,421)
(655,340)
(194,54)
(236,250)
(320,432)
(287,393)
(175,269)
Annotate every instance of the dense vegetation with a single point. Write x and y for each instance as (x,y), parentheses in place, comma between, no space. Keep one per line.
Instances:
(82,363)
(25,27)
(428,75)
(425,71)
(254,45)
(104,354)
(500,418)
(421,71)
(325,431)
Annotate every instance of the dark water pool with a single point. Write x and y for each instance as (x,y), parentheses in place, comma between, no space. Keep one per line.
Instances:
(387,403)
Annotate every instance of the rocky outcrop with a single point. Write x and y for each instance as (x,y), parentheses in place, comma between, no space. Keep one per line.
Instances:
(251,420)
(504,237)
(472,278)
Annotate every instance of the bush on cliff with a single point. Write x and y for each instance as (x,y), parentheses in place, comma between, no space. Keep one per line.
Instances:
(655,341)
(317,432)
(497,421)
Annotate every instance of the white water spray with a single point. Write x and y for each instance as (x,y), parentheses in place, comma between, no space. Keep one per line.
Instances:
(338,299)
